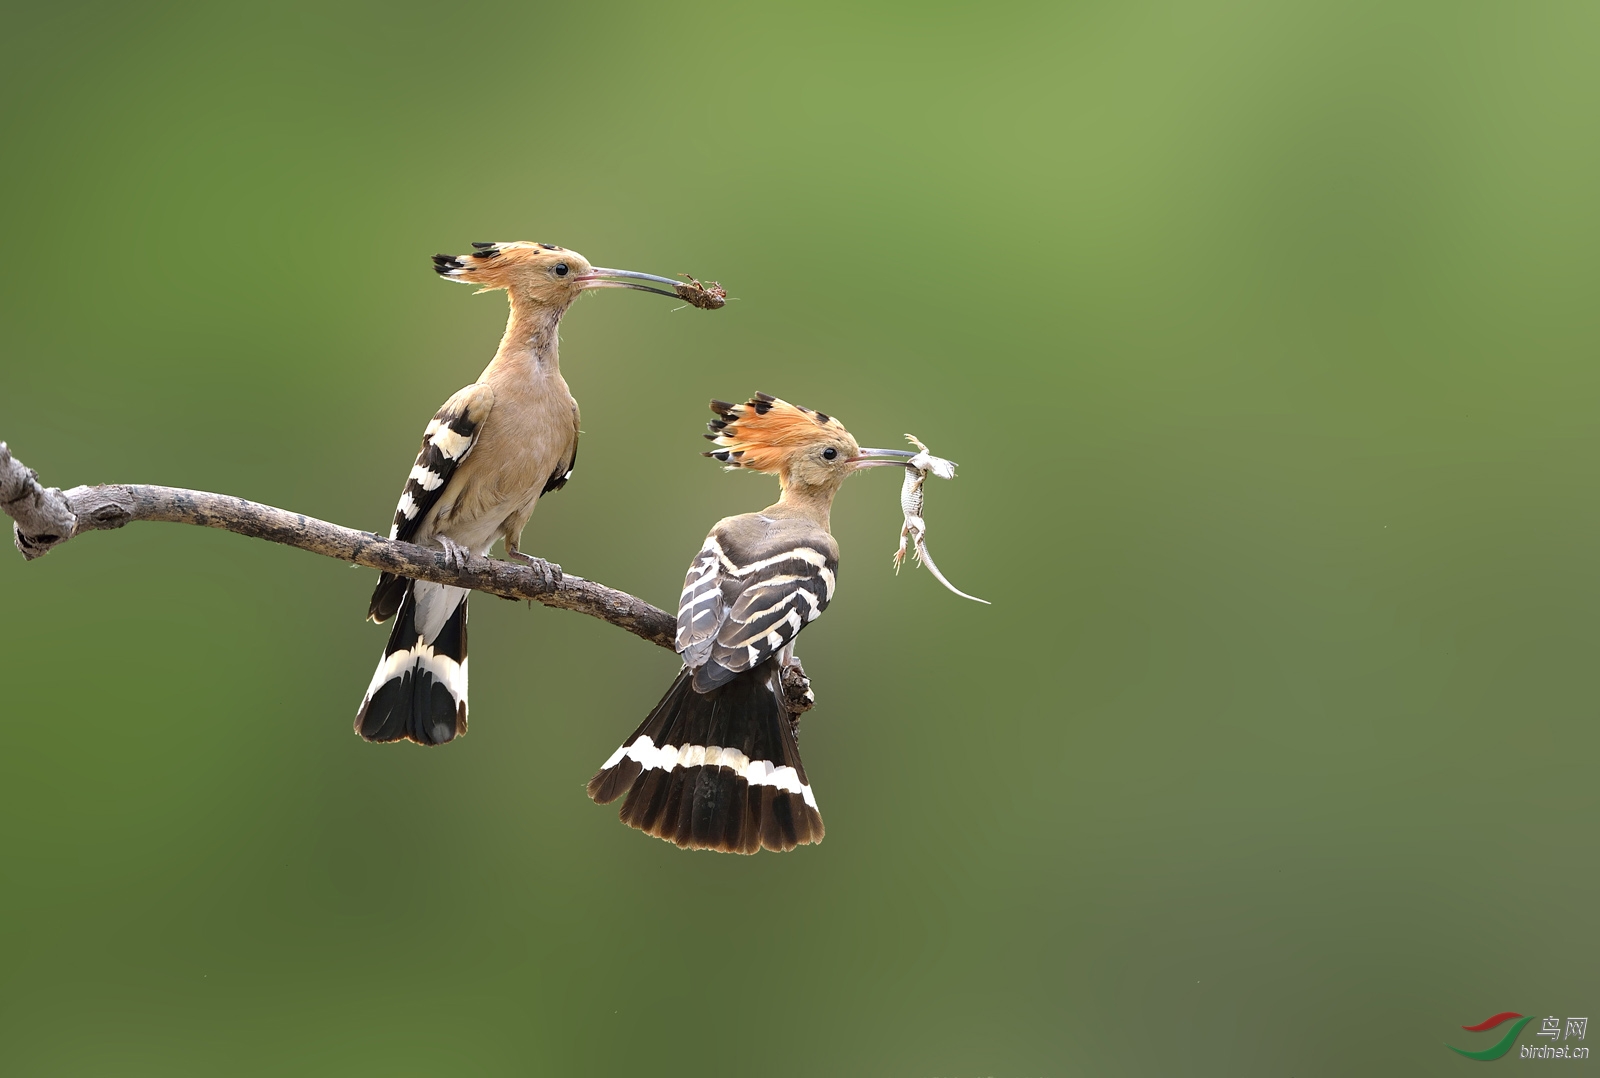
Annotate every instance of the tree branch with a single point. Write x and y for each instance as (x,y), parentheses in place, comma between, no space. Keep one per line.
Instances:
(46,517)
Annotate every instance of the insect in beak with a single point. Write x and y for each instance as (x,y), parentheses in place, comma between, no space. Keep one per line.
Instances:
(707,297)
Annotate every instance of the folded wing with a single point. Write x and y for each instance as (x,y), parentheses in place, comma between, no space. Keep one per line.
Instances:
(754,585)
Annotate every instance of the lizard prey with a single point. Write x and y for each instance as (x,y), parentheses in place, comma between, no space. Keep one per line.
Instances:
(914,527)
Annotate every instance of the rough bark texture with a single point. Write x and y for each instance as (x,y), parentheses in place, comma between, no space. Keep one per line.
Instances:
(45,517)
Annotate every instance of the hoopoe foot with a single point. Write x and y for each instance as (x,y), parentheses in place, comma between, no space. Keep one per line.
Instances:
(550,569)
(455,555)
(797,695)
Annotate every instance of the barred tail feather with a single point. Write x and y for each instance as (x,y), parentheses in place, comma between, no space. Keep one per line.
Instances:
(717,770)
(390,592)
(419,692)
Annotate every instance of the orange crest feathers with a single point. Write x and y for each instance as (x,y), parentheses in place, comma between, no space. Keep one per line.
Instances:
(499,265)
(762,433)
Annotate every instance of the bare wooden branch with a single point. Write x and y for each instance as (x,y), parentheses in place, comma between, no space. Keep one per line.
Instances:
(46,517)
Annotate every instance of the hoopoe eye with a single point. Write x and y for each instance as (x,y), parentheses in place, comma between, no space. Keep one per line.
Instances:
(829,453)
(561,269)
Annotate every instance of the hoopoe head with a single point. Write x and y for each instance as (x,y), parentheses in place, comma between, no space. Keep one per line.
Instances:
(804,448)
(538,273)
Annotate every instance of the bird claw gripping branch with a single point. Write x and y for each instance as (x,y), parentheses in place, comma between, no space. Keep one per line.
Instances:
(708,297)
(915,528)
(797,695)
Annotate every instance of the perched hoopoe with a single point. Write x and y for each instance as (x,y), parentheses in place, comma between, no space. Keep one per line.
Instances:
(715,766)
(489,454)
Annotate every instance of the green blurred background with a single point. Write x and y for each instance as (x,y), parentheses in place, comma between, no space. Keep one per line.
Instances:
(1265,335)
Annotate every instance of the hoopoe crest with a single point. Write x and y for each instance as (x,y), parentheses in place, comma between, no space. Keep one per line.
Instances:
(804,448)
(533,270)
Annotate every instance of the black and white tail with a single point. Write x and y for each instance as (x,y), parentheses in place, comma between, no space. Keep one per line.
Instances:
(420,689)
(717,770)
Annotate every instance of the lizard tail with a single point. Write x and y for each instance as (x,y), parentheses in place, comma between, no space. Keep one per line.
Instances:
(924,558)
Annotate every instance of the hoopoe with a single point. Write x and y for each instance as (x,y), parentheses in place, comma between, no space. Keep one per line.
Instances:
(715,765)
(488,455)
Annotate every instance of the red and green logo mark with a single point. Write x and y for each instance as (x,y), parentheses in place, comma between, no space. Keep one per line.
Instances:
(1506,1042)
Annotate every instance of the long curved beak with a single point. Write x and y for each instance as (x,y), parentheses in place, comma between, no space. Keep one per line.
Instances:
(873,458)
(596,278)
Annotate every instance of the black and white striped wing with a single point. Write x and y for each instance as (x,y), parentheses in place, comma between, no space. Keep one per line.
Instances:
(772,580)
(449,439)
(450,436)
(702,606)
(778,600)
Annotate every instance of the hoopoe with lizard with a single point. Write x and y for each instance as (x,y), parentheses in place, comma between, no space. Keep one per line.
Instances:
(488,456)
(715,765)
